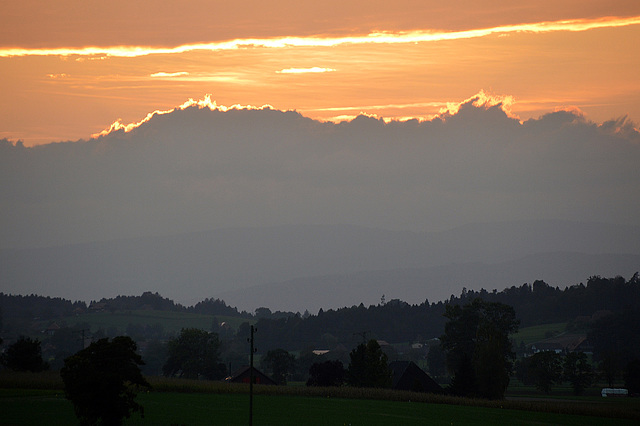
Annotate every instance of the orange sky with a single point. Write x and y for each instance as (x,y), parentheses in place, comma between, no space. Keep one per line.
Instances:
(317,58)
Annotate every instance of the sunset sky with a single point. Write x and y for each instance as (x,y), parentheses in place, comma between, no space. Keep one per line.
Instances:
(69,69)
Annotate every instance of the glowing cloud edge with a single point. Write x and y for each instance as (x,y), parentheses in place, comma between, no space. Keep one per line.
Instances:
(481,99)
(379,37)
(206,102)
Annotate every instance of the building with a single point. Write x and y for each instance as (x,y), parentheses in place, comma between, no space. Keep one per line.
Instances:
(242,376)
(406,375)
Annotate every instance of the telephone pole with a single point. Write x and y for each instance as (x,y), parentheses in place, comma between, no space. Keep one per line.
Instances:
(81,338)
(253,330)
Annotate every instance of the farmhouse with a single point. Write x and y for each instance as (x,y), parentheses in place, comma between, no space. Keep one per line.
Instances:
(408,376)
(563,343)
(242,376)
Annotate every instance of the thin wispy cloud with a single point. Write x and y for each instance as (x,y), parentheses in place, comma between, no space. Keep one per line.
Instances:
(169,74)
(383,37)
(57,76)
(305,70)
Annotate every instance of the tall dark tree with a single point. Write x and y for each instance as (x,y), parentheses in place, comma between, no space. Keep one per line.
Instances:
(616,341)
(24,355)
(436,361)
(194,354)
(101,380)
(280,363)
(545,370)
(369,366)
(632,376)
(478,349)
(577,371)
(328,373)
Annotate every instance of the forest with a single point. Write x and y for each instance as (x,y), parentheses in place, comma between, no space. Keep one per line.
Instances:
(604,309)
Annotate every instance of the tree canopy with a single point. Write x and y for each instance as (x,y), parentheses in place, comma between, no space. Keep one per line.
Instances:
(478,350)
(327,373)
(24,355)
(101,379)
(369,367)
(195,354)
(280,363)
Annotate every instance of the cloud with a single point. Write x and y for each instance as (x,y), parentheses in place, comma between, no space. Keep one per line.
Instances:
(169,74)
(57,76)
(305,70)
(206,166)
(378,37)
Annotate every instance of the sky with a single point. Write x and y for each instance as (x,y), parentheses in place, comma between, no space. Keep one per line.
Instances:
(123,120)
(69,69)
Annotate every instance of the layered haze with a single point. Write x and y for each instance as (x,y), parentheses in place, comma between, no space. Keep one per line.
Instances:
(202,167)
(242,197)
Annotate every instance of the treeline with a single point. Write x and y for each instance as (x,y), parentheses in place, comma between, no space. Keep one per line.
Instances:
(397,321)
(394,321)
(34,306)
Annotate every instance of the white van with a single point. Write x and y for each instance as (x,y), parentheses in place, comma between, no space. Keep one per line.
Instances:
(614,392)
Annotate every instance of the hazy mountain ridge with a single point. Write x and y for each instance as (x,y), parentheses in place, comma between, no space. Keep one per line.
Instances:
(330,265)
(437,283)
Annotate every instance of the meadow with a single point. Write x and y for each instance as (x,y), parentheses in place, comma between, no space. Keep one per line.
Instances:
(537,333)
(27,399)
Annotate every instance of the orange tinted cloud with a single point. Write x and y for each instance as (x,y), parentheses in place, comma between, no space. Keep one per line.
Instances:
(418,36)
(305,70)
(205,102)
(169,74)
(34,23)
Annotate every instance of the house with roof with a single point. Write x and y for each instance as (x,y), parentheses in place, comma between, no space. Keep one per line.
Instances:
(563,343)
(243,376)
(406,375)
(52,329)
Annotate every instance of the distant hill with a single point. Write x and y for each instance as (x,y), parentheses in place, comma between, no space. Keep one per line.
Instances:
(307,267)
(415,285)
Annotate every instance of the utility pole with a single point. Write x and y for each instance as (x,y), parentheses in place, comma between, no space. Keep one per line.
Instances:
(81,336)
(253,330)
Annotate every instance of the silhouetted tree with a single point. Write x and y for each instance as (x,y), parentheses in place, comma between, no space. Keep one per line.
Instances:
(477,346)
(545,369)
(464,382)
(100,381)
(436,361)
(280,363)
(328,373)
(632,376)
(616,341)
(369,367)
(24,355)
(193,354)
(577,371)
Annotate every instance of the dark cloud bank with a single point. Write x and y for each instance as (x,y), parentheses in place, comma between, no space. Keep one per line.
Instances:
(195,170)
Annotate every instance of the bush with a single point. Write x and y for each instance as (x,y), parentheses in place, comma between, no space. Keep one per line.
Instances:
(101,380)
(24,355)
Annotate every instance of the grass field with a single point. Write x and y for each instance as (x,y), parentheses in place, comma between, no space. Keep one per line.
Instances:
(187,402)
(22,407)
(537,333)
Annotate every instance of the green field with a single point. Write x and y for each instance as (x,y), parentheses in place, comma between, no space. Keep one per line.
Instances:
(29,407)
(36,398)
(537,333)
